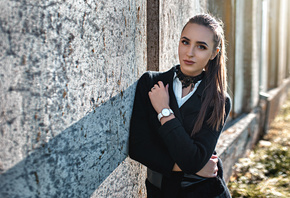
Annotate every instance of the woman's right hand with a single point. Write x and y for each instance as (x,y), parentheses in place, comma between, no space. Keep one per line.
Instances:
(159,96)
(210,169)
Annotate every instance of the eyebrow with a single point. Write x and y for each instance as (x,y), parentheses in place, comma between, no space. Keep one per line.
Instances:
(199,42)
(185,38)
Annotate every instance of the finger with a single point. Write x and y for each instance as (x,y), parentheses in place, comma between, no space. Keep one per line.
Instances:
(167,88)
(215,160)
(215,174)
(154,87)
(157,85)
(214,156)
(160,83)
(216,169)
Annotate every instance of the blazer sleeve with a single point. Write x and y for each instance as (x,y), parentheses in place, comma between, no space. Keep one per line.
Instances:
(143,146)
(191,154)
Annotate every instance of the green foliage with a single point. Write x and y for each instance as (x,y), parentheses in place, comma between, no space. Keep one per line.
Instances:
(254,176)
(277,161)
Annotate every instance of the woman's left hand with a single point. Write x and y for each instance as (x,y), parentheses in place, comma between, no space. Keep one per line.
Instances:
(159,96)
(210,169)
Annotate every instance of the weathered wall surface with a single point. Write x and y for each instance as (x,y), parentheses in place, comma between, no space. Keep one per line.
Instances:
(67,80)
(275,99)
(173,16)
(239,61)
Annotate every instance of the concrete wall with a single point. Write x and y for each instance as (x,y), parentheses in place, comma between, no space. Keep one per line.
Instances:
(68,71)
(226,11)
(67,80)
(264,46)
(238,92)
(173,16)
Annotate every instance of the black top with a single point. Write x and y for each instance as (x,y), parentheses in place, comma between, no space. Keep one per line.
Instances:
(159,147)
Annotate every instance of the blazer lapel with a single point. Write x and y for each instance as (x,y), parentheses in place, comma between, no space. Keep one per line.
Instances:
(173,103)
(193,104)
(172,100)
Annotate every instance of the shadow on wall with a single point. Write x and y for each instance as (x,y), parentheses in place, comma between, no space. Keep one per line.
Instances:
(76,161)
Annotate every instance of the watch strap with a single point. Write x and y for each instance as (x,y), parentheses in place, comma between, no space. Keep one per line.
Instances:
(160,115)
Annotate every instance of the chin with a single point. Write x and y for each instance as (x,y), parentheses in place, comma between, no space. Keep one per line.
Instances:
(187,70)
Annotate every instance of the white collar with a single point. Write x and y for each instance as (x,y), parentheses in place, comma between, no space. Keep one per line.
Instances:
(177,89)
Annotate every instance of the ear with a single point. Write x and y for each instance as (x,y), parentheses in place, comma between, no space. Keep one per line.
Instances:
(215,53)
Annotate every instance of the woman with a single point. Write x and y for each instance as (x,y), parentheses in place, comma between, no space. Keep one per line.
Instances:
(178,116)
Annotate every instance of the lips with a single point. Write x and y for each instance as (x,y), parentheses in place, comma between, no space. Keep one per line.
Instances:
(188,62)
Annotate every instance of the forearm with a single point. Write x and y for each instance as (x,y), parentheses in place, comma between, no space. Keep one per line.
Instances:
(190,155)
(209,170)
(166,119)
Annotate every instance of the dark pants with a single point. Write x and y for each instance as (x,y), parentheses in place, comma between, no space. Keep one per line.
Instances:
(171,188)
(208,189)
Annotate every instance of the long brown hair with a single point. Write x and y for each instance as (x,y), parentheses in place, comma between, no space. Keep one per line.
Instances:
(215,76)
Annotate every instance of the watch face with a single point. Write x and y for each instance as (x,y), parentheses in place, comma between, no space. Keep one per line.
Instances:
(165,112)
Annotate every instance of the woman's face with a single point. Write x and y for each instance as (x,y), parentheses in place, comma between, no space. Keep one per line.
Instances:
(195,49)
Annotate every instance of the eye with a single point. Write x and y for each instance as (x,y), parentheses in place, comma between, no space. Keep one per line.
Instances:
(201,47)
(185,42)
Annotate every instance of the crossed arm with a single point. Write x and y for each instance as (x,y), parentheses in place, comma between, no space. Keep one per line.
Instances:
(159,97)
(170,148)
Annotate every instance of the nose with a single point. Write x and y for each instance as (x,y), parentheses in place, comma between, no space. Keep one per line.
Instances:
(190,52)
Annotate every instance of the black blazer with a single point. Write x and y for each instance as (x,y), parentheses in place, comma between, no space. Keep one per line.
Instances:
(159,147)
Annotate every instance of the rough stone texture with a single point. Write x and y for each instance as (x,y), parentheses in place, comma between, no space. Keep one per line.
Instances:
(67,82)
(77,160)
(173,16)
(122,183)
(153,35)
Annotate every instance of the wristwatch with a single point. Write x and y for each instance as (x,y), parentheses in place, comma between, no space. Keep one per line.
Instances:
(164,113)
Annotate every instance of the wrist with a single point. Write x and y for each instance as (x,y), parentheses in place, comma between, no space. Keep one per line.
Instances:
(166,112)
(166,119)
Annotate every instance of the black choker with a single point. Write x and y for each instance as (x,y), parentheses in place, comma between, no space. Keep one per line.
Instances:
(188,80)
